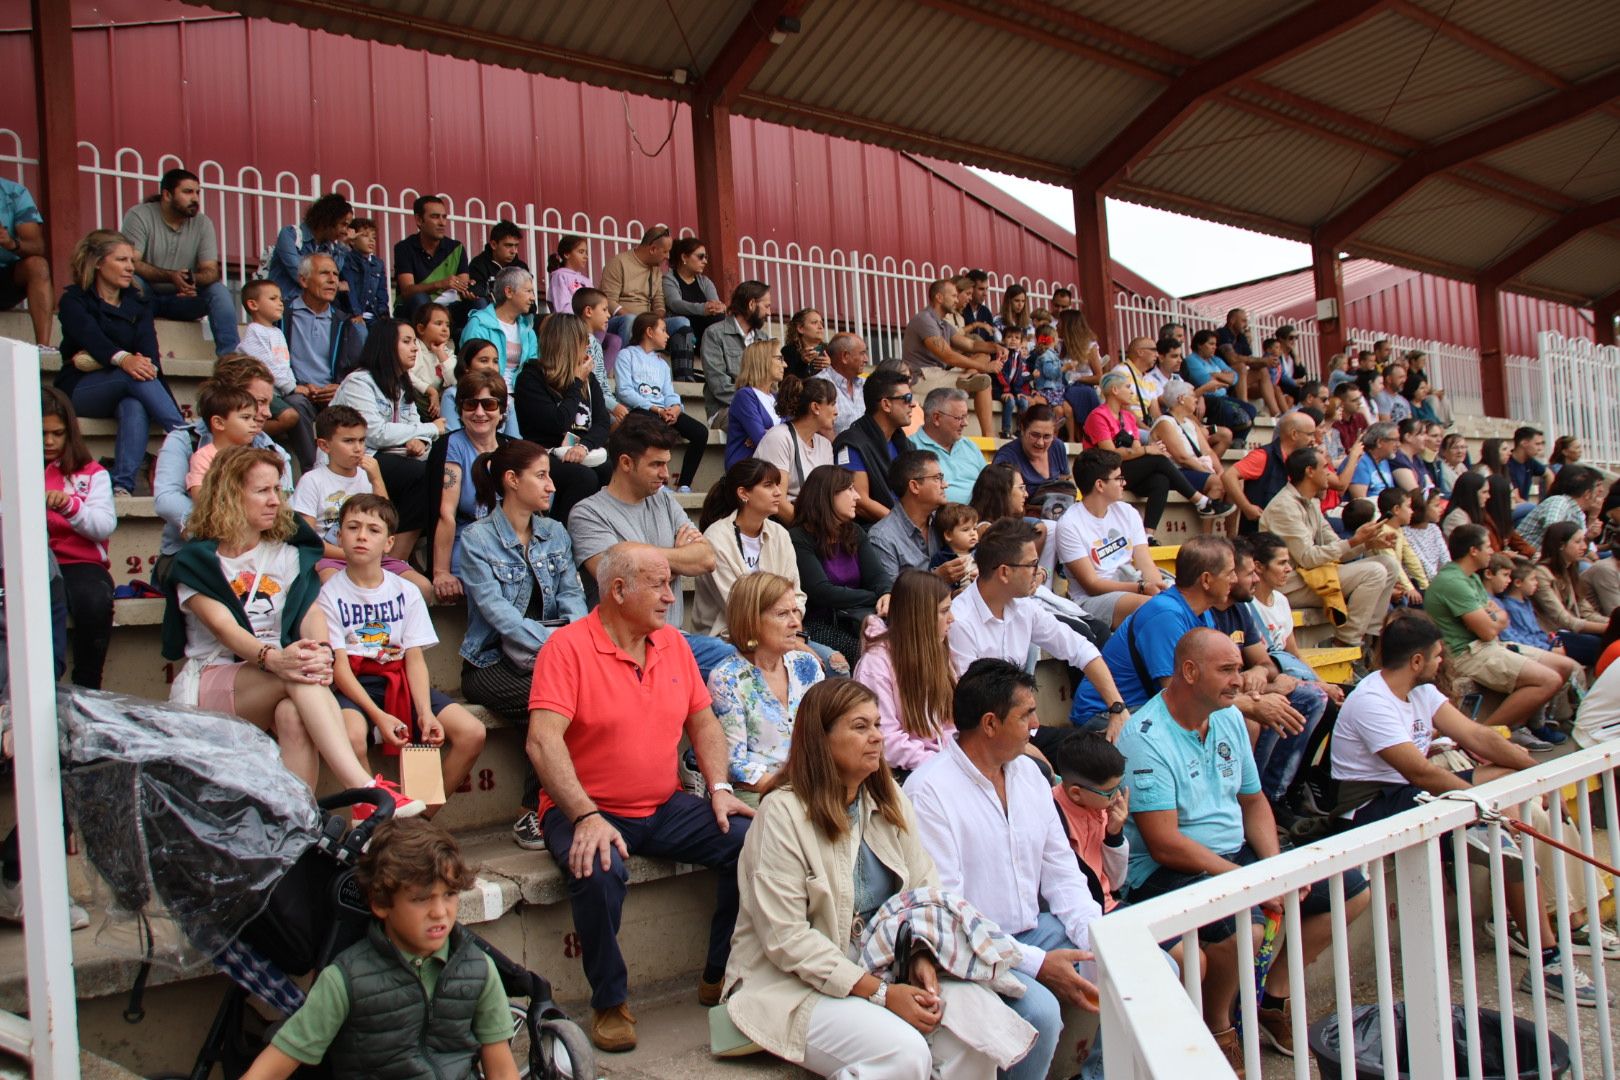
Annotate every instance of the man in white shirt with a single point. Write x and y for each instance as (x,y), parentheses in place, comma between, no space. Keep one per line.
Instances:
(985,814)
(846,366)
(998,616)
(1103,545)
(1381,746)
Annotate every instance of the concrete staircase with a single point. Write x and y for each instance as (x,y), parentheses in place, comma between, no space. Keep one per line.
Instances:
(519,901)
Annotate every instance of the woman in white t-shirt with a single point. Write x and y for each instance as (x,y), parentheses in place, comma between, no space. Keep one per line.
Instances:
(810,409)
(244,619)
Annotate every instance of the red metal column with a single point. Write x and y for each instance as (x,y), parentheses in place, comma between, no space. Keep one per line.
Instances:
(1492,364)
(717,194)
(1328,273)
(1096,275)
(1604,313)
(58,132)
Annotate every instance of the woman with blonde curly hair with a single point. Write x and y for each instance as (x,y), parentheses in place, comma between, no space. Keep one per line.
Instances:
(243,617)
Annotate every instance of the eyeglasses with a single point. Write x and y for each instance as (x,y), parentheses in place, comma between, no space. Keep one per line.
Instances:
(483,404)
(907,398)
(702,256)
(1023,565)
(1101,793)
(925,477)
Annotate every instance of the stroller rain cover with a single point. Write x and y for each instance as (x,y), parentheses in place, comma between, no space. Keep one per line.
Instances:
(189,817)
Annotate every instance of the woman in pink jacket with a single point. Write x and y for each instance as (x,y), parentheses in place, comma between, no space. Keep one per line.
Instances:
(913,653)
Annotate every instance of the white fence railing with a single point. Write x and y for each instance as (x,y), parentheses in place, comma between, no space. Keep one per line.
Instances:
(1151,1030)
(868,294)
(1579,394)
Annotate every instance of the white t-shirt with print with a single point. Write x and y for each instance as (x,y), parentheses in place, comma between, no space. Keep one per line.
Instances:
(321,494)
(260,579)
(1371,719)
(379,624)
(1107,541)
(1277,618)
(514,343)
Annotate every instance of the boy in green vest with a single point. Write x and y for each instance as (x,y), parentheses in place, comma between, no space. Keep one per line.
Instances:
(417,998)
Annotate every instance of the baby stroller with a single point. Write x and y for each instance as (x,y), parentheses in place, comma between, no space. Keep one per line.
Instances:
(213,852)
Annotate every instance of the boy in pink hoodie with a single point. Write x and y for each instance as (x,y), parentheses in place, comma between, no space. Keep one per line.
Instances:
(1094,803)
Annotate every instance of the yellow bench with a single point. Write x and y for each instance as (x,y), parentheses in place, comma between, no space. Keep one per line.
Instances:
(987,446)
(1165,558)
(1331,664)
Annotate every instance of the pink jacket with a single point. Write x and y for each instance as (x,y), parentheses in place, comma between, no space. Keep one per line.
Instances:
(901,749)
(79,534)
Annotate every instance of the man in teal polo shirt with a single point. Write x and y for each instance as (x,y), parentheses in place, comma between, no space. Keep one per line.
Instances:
(944,431)
(1197,810)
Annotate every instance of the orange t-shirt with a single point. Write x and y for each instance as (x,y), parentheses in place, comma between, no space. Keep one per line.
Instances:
(625,722)
(1253,464)
(1086,829)
(1610,655)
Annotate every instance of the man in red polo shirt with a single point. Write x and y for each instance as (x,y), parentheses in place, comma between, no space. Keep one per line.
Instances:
(612,695)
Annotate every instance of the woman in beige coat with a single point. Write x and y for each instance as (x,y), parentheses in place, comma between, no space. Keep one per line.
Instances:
(833,840)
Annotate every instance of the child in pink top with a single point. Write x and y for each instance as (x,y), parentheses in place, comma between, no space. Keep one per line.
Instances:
(1093,802)
(232,417)
(79,517)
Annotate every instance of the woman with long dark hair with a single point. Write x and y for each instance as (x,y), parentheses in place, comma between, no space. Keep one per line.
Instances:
(1467,505)
(379,389)
(839,570)
(913,652)
(1560,607)
(560,406)
(736,521)
(804,442)
(804,345)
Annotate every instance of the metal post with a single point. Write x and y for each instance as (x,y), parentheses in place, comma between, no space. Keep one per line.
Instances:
(1095,266)
(1328,275)
(1425,967)
(717,195)
(58,135)
(52,1008)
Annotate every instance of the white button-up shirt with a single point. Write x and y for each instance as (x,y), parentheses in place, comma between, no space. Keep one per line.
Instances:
(1005,862)
(851,398)
(1025,622)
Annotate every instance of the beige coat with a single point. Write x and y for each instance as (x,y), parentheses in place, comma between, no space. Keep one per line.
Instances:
(631,285)
(776,555)
(797,894)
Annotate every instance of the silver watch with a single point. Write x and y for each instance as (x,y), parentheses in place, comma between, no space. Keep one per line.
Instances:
(880,997)
(721,786)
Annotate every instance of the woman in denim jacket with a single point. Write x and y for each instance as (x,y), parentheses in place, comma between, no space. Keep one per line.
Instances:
(504,555)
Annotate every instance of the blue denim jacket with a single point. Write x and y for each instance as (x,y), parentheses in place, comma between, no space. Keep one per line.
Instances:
(497,576)
(368,285)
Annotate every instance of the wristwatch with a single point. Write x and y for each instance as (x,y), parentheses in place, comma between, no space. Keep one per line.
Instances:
(1116,708)
(880,997)
(721,786)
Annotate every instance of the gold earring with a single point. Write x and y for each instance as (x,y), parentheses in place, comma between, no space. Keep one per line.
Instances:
(751,645)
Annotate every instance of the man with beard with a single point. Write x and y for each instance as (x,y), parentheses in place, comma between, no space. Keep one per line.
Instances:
(177,258)
(1380,758)
(723,345)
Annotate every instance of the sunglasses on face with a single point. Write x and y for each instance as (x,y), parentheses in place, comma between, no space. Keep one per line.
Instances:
(483,404)
(907,398)
(1101,793)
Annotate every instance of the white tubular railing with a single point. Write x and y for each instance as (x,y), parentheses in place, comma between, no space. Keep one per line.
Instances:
(1452,368)
(1580,386)
(1152,1030)
(1144,316)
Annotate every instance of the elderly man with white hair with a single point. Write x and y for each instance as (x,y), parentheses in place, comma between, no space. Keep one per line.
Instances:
(321,343)
(613,693)
(944,433)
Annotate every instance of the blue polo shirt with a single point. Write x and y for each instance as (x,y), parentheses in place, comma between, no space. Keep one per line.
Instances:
(1524,474)
(1199,371)
(961,464)
(1156,627)
(16,208)
(1377,475)
(1240,345)
(1168,767)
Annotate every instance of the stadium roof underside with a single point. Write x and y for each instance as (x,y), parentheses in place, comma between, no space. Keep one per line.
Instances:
(1474,138)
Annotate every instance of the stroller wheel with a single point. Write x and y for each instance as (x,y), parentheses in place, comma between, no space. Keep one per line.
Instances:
(564,1053)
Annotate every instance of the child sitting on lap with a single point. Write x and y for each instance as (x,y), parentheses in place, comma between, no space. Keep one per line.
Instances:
(411,875)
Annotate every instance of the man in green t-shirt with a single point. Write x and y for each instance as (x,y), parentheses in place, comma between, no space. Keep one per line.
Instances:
(1470,624)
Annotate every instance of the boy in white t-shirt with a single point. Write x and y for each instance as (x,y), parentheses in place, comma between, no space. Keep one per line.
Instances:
(1272,609)
(291,414)
(379,624)
(340,433)
(1101,543)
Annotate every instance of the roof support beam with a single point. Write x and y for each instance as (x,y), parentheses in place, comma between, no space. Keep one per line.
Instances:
(1492,364)
(1095,266)
(735,66)
(1550,111)
(1282,40)
(1549,240)
(56,114)
(1604,312)
(1328,274)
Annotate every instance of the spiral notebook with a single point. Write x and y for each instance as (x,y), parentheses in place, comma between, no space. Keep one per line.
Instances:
(421,774)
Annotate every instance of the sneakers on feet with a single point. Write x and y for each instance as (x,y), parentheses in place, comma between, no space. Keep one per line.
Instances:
(1216,509)
(1232,1047)
(1479,842)
(1549,734)
(11,907)
(1581,942)
(404,806)
(1528,739)
(1557,974)
(1277,1029)
(526,832)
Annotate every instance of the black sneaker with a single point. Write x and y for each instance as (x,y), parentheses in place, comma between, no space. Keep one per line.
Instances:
(526,832)
(1215,509)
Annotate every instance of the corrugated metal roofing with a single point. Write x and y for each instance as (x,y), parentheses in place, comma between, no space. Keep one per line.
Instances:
(1564,158)
(1585,266)
(1041,87)
(1445,222)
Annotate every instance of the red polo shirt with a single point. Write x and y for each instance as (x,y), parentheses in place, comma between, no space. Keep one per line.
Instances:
(625,721)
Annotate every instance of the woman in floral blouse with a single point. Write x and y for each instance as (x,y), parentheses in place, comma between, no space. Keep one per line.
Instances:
(757,691)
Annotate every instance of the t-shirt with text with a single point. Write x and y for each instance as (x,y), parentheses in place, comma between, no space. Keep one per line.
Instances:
(1108,541)
(378,624)
(1372,718)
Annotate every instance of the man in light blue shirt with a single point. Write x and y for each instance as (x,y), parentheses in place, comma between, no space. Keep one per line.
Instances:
(24,273)
(847,358)
(318,342)
(944,433)
(1197,811)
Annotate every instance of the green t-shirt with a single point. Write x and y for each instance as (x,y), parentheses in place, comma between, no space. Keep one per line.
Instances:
(307,1035)
(1453,593)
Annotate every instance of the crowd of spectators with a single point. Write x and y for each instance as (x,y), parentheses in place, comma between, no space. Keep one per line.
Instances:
(870,595)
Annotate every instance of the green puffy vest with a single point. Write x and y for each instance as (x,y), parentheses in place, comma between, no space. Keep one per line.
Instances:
(393,1032)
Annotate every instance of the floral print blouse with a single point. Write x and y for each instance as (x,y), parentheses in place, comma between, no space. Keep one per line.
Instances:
(758,729)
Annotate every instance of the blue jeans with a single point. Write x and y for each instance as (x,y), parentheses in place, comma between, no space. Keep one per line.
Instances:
(708,651)
(1041,1008)
(137,405)
(620,325)
(683,829)
(212,302)
(1278,758)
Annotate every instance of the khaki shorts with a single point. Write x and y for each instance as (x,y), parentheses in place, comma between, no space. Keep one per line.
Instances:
(970,382)
(1493,665)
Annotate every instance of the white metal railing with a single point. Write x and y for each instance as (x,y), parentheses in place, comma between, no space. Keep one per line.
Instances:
(1151,1030)
(1144,316)
(1579,389)
(1524,388)
(1452,368)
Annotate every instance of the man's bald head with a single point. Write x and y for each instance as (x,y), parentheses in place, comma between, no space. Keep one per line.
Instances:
(1208,675)
(1297,428)
(1141,347)
(626,562)
(1203,645)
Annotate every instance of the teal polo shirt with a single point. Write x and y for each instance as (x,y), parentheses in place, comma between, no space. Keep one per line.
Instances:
(1168,767)
(961,464)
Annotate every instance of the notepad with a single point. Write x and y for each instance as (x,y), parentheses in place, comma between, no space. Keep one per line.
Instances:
(421,776)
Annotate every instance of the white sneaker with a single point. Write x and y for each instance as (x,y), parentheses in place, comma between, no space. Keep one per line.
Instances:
(11,907)
(1553,975)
